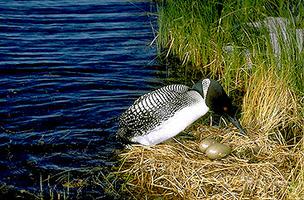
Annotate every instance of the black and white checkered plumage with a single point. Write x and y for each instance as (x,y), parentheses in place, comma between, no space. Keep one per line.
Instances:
(163,113)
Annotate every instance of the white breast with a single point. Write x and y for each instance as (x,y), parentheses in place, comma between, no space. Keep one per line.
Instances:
(175,124)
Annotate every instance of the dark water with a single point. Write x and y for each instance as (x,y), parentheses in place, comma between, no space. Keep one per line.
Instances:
(67,70)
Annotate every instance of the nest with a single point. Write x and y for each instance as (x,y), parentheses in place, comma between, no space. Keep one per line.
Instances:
(258,168)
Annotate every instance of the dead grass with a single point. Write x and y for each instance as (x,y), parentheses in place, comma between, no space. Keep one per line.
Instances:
(258,168)
(268,164)
(270,104)
(297,185)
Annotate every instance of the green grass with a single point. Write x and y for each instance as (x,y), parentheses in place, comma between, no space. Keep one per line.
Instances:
(269,86)
(201,42)
(193,32)
(227,46)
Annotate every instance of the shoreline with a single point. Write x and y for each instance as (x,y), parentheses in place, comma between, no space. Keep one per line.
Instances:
(260,64)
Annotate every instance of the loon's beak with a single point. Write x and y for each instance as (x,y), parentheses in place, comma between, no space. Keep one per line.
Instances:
(236,123)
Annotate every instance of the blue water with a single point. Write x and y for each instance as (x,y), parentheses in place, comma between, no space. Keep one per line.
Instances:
(68,69)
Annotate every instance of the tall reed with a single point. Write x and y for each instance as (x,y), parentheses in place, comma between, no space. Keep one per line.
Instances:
(256,49)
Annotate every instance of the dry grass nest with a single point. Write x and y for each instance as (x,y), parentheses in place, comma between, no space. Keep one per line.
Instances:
(257,168)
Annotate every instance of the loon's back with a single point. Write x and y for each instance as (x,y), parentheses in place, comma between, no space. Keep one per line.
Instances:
(161,114)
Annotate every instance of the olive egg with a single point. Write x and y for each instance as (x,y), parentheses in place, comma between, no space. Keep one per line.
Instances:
(218,151)
(204,144)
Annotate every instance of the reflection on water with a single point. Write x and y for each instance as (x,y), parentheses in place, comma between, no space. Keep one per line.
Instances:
(67,70)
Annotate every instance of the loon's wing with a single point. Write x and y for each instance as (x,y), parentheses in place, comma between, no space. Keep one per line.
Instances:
(149,110)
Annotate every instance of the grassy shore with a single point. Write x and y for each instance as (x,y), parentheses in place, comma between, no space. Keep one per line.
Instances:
(255,49)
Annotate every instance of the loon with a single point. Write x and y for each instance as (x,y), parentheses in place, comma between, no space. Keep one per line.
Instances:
(165,112)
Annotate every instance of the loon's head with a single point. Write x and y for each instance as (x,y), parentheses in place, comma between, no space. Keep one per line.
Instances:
(218,101)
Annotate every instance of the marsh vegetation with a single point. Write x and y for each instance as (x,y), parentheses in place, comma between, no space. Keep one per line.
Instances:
(255,49)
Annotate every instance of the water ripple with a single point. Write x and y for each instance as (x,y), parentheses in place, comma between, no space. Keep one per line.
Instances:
(67,70)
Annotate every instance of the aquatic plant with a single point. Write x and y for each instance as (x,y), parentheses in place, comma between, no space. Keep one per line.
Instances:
(256,50)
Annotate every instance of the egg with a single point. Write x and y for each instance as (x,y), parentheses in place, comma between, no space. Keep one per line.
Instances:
(218,151)
(204,144)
